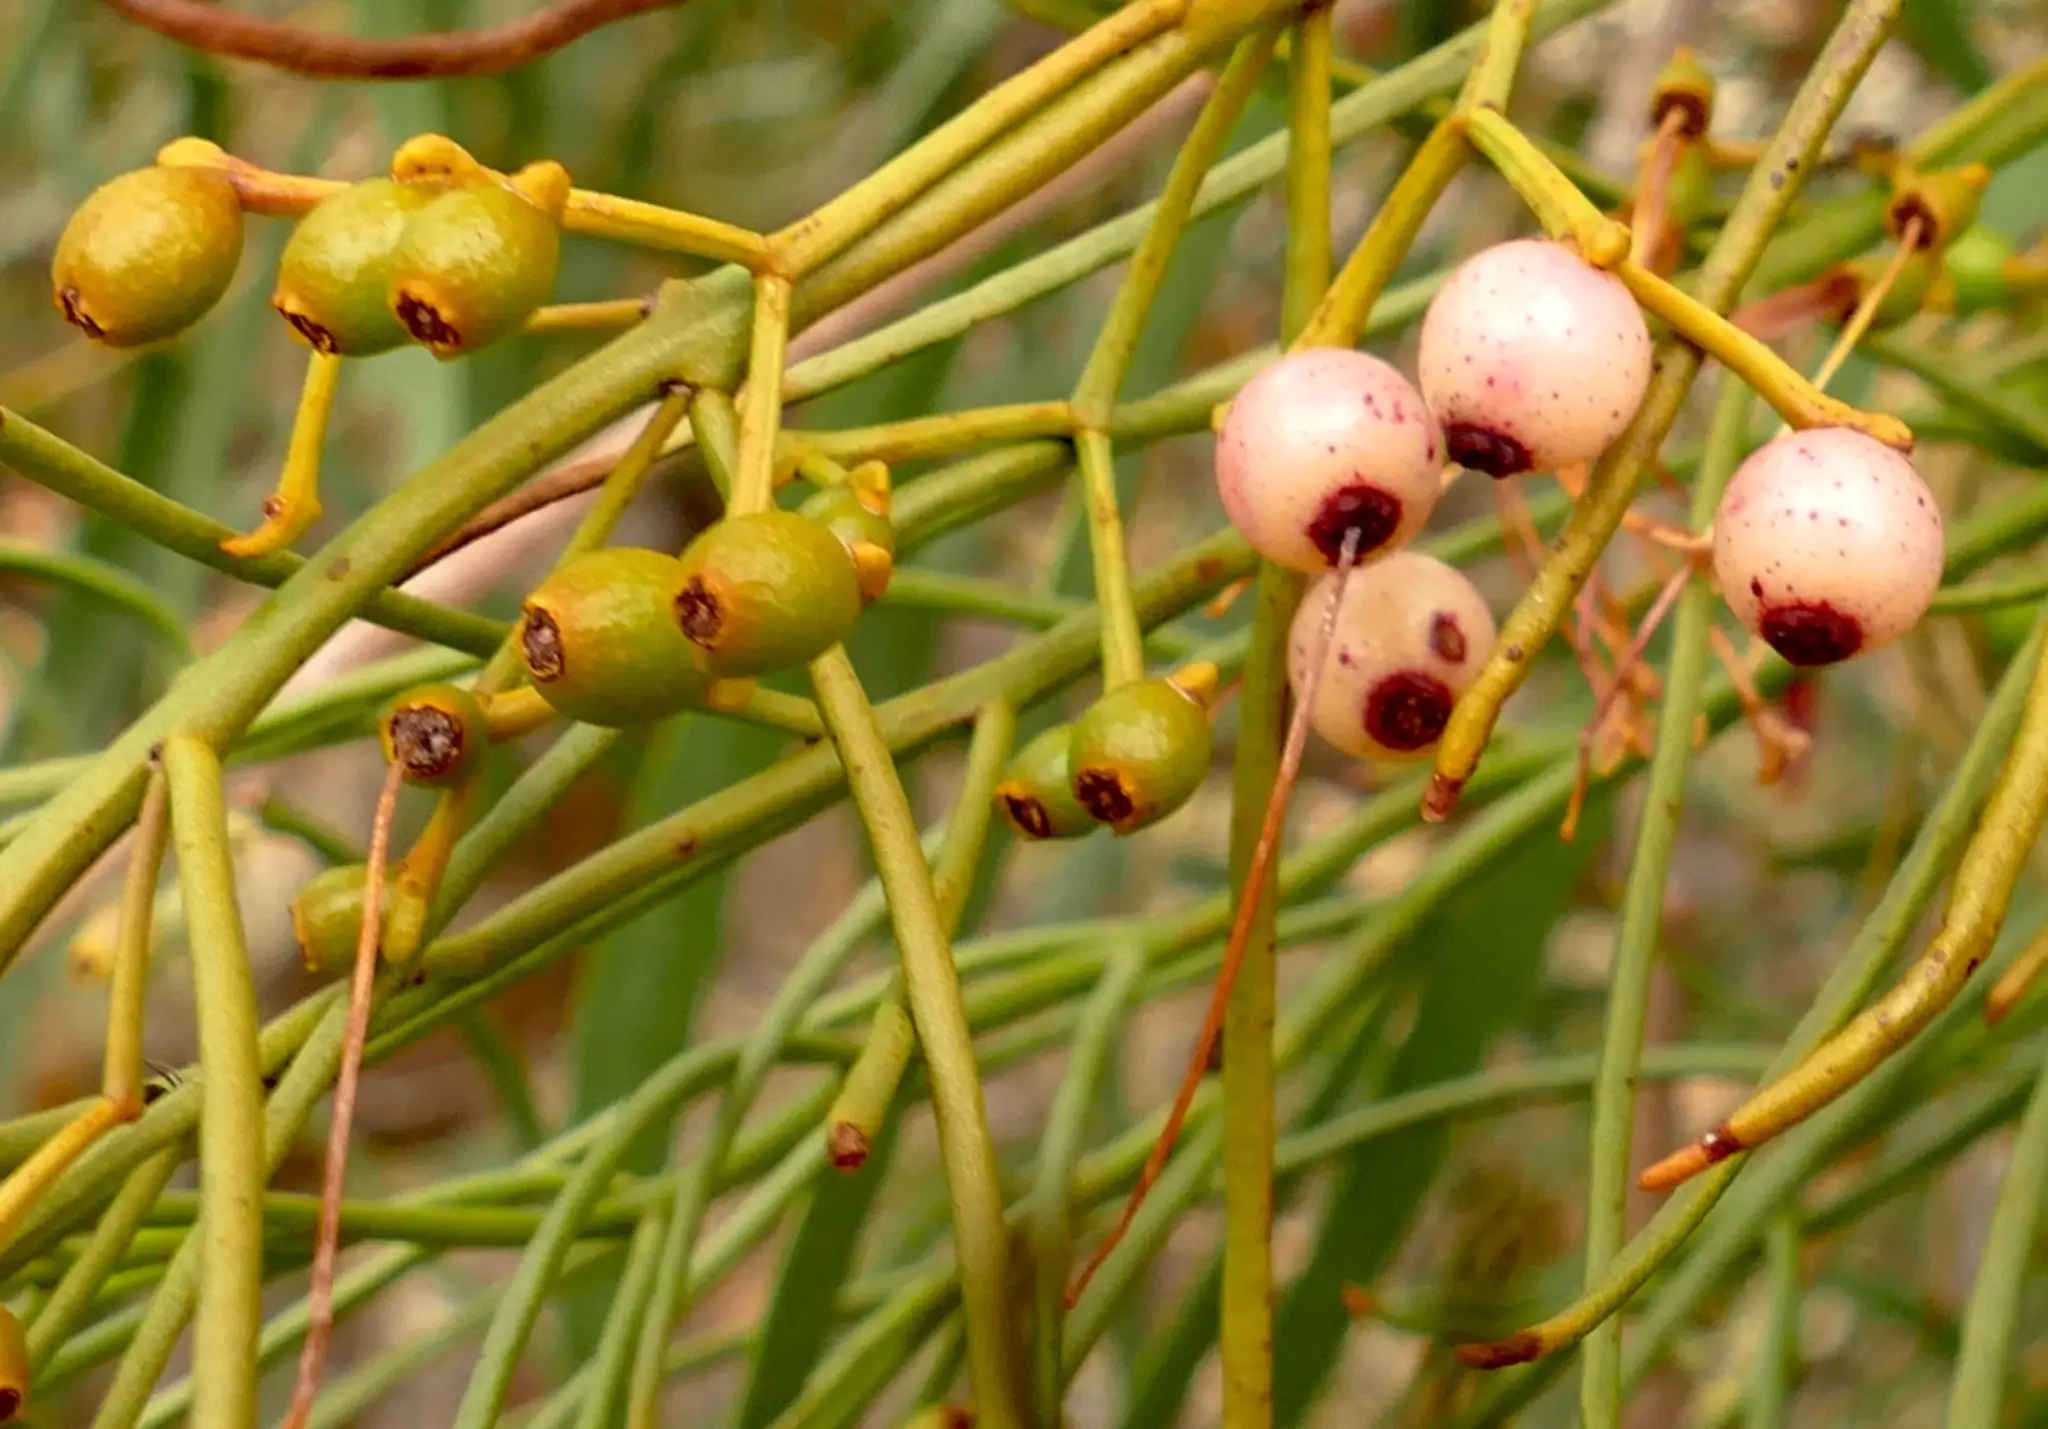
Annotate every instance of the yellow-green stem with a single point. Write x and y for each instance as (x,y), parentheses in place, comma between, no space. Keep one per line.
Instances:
(291,511)
(1123,641)
(121,1077)
(753,483)
(666,230)
(231,1170)
(824,233)
(1556,201)
(995,1344)
(1341,315)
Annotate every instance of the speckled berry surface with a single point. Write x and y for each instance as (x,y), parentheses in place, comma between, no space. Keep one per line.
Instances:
(1409,638)
(1324,440)
(1827,544)
(1532,359)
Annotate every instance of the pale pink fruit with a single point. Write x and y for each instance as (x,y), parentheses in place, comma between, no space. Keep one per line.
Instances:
(1323,442)
(1532,359)
(1827,544)
(1409,638)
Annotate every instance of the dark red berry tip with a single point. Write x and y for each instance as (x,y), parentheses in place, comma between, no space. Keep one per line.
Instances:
(426,740)
(1478,448)
(1408,710)
(1374,513)
(1808,635)
(1102,793)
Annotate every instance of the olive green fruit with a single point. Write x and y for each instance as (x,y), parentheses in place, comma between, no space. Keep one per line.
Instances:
(335,271)
(473,264)
(766,591)
(327,917)
(1908,293)
(1944,200)
(1139,753)
(1036,794)
(859,516)
(434,733)
(147,254)
(1685,86)
(600,641)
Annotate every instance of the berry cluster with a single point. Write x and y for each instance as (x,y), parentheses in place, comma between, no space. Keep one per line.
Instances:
(1827,543)
(444,252)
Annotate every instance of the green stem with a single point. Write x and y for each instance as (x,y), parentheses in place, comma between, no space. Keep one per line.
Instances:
(1362,112)
(1048,1213)
(1642,918)
(821,235)
(1116,343)
(630,1311)
(1983,1367)
(231,1170)
(68,1303)
(1341,316)
(753,482)
(1935,849)
(758,1054)
(933,991)
(101,581)
(52,462)
(1123,641)
(1773,1377)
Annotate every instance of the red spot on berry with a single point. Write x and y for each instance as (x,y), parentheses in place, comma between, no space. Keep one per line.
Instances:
(1478,449)
(1407,710)
(1811,634)
(1362,507)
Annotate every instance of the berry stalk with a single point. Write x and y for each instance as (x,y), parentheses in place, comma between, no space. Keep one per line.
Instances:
(228,1242)
(981,1240)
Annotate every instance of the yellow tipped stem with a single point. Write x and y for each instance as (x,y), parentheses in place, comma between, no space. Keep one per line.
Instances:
(291,510)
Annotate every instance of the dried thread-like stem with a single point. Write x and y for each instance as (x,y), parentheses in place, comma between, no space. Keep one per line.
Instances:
(362,981)
(1248,899)
(491,50)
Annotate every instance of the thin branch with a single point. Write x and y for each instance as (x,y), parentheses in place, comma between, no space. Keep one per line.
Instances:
(490,50)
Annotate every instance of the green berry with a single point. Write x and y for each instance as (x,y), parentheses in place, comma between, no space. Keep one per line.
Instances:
(148,254)
(601,644)
(766,591)
(435,733)
(1975,269)
(858,514)
(472,266)
(1139,753)
(335,270)
(1037,794)
(327,917)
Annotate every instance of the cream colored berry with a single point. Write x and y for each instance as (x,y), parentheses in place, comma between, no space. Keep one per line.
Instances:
(1409,638)
(1324,442)
(1827,544)
(1532,359)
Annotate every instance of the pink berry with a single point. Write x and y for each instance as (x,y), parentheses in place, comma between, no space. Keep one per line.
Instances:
(1532,359)
(1323,442)
(1409,638)
(1827,544)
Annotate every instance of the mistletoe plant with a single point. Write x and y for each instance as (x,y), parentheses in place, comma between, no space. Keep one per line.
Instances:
(1570,352)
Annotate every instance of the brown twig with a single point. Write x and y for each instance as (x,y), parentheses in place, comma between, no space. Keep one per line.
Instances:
(320,1294)
(570,479)
(490,50)
(1248,899)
